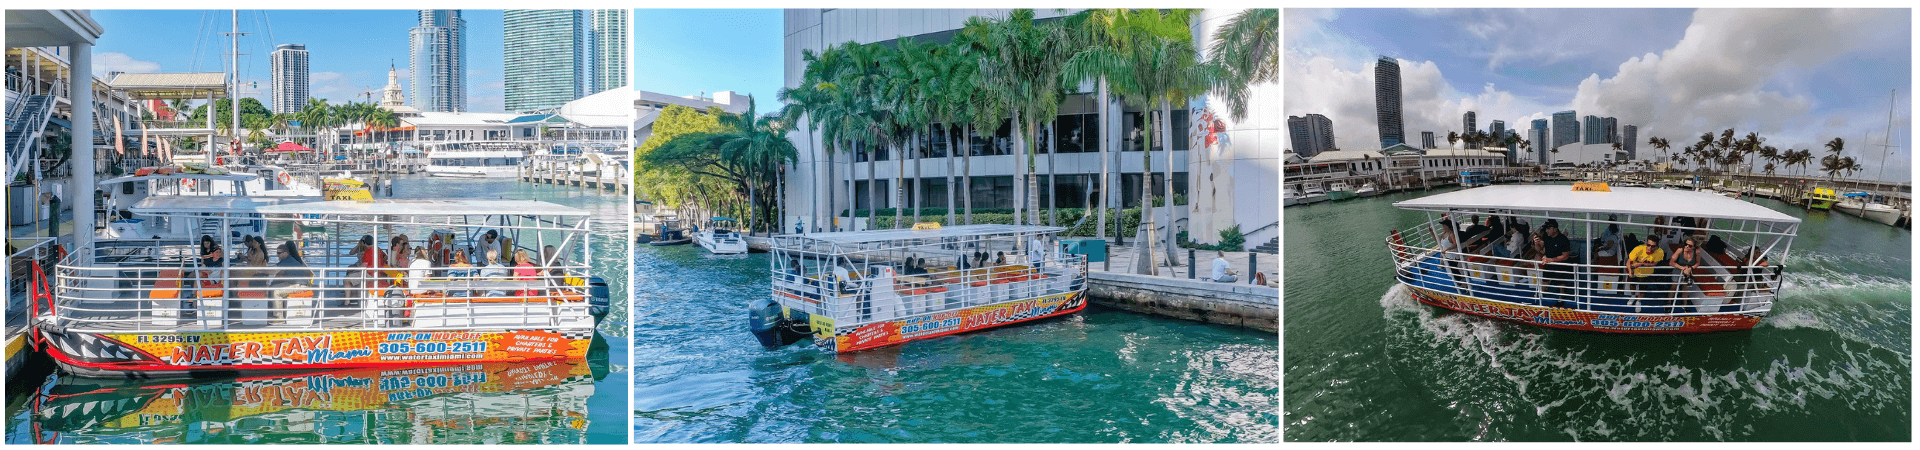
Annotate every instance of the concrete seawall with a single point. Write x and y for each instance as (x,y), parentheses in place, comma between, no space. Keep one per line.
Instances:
(1245,305)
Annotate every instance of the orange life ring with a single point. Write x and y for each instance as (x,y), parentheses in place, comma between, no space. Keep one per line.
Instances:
(286,179)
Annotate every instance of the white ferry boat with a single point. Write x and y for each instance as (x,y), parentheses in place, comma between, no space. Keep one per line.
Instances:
(1736,271)
(491,163)
(859,290)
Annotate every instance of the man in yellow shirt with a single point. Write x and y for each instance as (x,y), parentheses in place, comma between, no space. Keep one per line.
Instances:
(1643,262)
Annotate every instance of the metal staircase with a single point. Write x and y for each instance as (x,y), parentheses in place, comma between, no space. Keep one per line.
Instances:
(1272,246)
(26,122)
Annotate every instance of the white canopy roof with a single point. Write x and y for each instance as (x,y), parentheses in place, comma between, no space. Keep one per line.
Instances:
(1622,200)
(230,176)
(314,205)
(854,237)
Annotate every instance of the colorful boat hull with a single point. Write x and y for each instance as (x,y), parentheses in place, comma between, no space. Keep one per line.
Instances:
(895,332)
(1598,321)
(174,354)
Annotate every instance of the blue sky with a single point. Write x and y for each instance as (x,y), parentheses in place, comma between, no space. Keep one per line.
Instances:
(1799,77)
(689,51)
(349,50)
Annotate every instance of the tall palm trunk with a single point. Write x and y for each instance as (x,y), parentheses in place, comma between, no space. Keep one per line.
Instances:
(1143,262)
(1166,133)
(1105,189)
(1053,188)
(946,133)
(899,182)
(966,172)
(1019,169)
(917,201)
(873,187)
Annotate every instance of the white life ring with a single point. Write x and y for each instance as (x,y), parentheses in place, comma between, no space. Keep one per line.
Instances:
(286,179)
(189,183)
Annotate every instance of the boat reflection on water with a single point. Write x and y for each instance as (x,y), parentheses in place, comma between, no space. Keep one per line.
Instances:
(542,402)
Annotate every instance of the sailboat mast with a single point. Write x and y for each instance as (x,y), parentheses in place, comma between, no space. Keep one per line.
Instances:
(1888,140)
(233,95)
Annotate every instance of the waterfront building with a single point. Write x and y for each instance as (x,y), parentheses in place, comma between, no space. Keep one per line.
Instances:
(438,61)
(647,107)
(1581,153)
(1595,130)
(1227,183)
(1426,139)
(1386,100)
(1629,139)
(290,84)
(1566,129)
(1311,134)
(1612,127)
(1467,123)
(391,96)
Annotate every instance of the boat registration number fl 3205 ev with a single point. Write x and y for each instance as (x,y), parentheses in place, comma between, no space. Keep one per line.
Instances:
(1579,258)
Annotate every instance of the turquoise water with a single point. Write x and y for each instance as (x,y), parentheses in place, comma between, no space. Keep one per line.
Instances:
(549,403)
(1364,361)
(1099,375)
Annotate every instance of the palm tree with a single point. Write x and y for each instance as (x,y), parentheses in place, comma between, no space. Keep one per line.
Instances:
(1659,143)
(1022,62)
(1148,59)
(806,100)
(911,97)
(757,145)
(1247,50)
(1452,137)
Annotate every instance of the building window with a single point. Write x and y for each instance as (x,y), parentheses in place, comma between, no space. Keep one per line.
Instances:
(992,192)
(1077,133)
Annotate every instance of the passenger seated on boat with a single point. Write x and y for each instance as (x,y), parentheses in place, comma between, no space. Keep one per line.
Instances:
(1715,245)
(1489,234)
(292,280)
(999,258)
(1221,272)
(494,271)
(550,257)
(1516,244)
(489,245)
(460,270)
(524,270)
(1609,243)
(1474,236)
(420,268)
(1644,263)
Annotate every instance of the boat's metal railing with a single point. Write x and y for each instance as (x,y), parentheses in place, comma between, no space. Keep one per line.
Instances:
(168,290)
(1747,280)
(888,294)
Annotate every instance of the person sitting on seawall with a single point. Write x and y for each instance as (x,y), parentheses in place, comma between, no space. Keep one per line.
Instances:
(1221,272)
(494,271)
(459,271)
(1644,263)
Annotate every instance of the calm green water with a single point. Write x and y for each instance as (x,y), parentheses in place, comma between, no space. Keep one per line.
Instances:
(512,403)
(1364,361)
(1095,376)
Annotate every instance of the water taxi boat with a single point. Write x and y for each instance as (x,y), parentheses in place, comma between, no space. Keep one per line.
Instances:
(1475,178)
(151,299)
(719,240)
(351,405)
(859,290)
(1820,198)
(1735,284)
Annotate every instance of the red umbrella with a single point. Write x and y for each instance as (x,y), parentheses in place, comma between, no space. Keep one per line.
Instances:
(289,147)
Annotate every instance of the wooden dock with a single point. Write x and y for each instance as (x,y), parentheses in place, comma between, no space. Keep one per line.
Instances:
(604,180)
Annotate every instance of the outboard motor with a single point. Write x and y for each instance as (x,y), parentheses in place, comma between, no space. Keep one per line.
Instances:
(599,300)
(773,330)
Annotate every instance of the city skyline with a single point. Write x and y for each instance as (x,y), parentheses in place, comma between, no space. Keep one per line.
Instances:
(349,50)
(1799,84)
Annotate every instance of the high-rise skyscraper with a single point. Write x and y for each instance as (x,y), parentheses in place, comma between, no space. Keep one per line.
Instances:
(290,83)
(1386,101)
(1496,128)
(555,56)
(1467,123)
(1628,136)
(439,61)
(1596,132)
(1426,140)
(1566,129)
(608,36)
(1537,139)
(1311,134)
(1612,128)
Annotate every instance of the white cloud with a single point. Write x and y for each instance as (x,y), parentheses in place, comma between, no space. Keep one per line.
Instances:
(120,62)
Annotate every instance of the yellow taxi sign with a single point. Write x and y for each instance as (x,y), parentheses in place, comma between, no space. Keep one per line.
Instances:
(1590,187)
(926,226)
